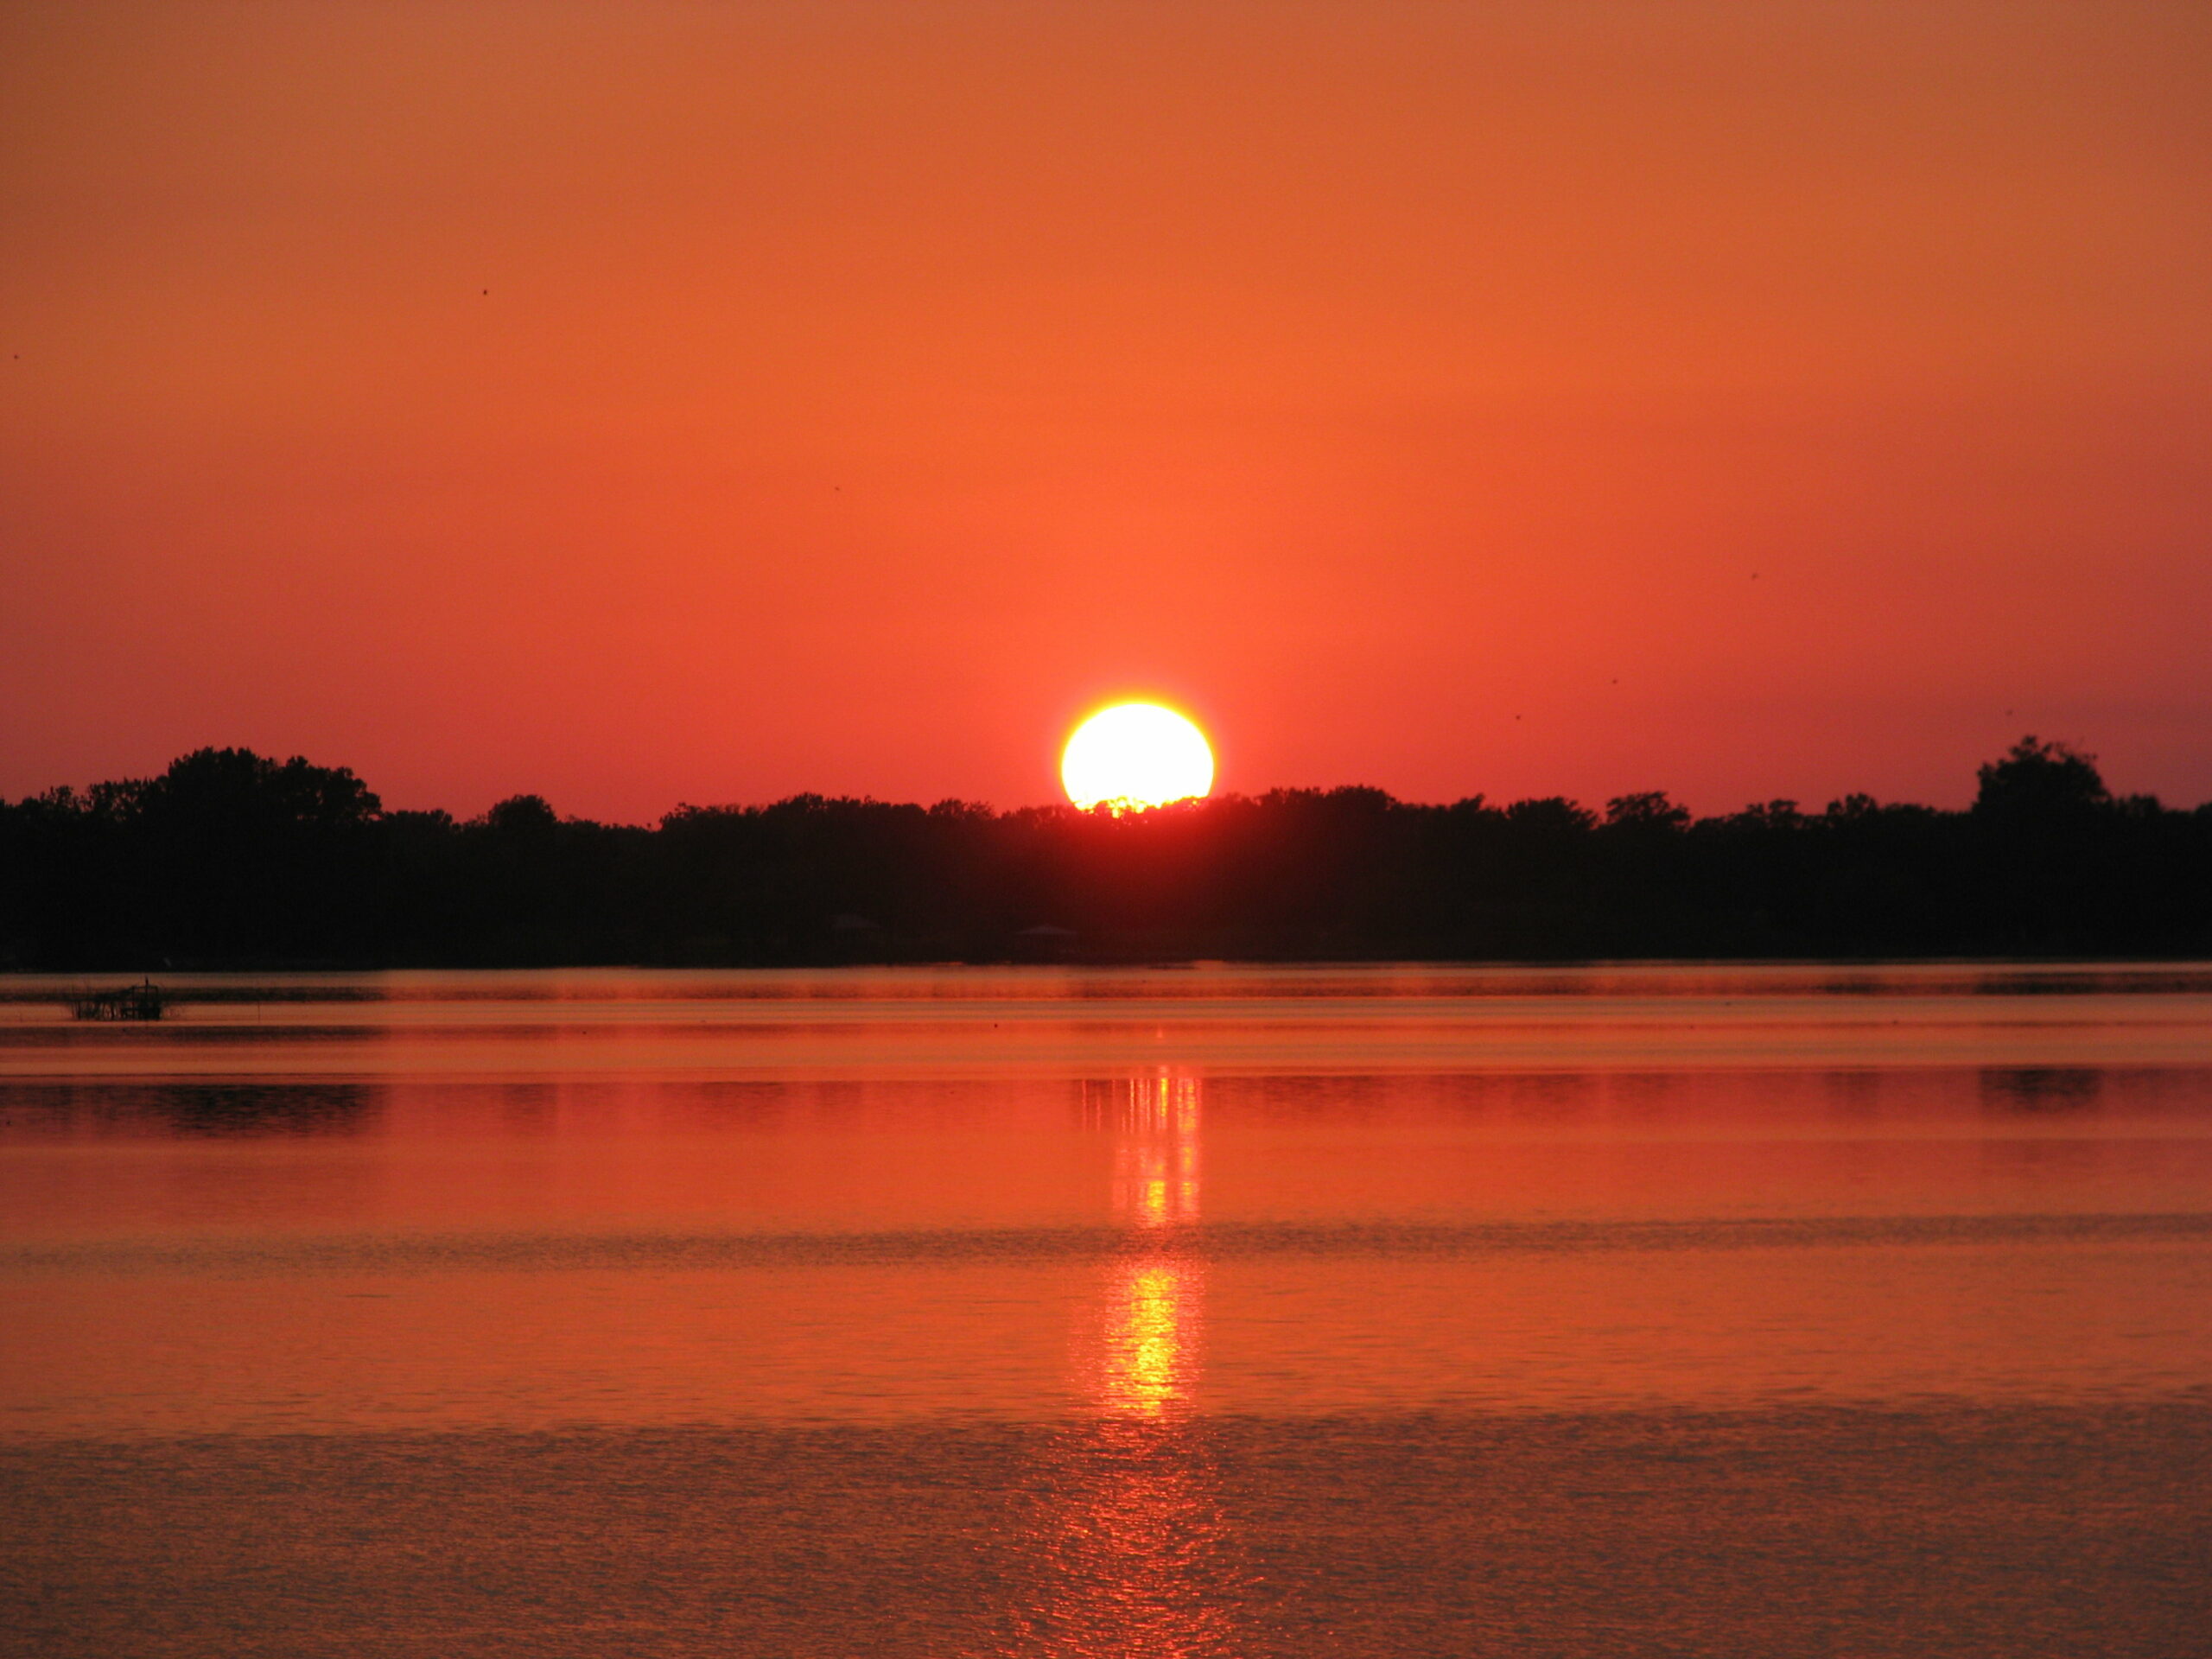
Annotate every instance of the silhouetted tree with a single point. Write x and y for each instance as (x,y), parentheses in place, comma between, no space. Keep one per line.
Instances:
(228,856)
(524,817)
(2039,780)
(1649,811)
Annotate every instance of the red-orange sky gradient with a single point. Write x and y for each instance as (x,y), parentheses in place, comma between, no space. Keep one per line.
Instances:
(1747,400)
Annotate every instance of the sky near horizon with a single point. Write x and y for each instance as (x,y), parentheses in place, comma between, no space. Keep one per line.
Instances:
(659,402)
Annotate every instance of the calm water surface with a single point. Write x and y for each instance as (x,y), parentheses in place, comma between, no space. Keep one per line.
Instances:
(1182,1312)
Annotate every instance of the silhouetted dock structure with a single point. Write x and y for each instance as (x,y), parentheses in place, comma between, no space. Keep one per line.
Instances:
(143,1002)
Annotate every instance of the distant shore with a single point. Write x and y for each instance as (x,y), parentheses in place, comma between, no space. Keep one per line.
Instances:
(233,860)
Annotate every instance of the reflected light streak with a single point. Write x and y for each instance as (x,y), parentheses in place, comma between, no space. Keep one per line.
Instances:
(1145,1370)
(1152,1310)
(1140,1562)
(1156,1151)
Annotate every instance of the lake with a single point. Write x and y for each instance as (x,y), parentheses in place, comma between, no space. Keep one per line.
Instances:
(1188,1311)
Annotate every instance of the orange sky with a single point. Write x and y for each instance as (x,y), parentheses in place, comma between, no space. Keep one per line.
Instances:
(1746,400)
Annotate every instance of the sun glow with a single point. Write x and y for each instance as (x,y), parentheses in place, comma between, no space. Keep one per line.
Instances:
(1136,754)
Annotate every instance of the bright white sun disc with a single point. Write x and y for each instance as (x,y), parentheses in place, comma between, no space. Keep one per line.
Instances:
(1136,754)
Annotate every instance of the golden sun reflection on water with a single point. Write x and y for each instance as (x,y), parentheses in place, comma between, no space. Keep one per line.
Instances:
(1156,1151)
(1153,1308)
(1138,1559)
(1144,1370)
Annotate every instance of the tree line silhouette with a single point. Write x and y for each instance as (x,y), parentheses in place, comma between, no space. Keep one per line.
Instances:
(231,859)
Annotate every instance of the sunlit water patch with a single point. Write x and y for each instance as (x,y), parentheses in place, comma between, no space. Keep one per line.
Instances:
(1172,1312)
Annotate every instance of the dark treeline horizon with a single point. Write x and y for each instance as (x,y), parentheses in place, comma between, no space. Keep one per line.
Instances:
(229,859)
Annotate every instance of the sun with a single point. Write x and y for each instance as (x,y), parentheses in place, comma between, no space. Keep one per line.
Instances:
(1136,754)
